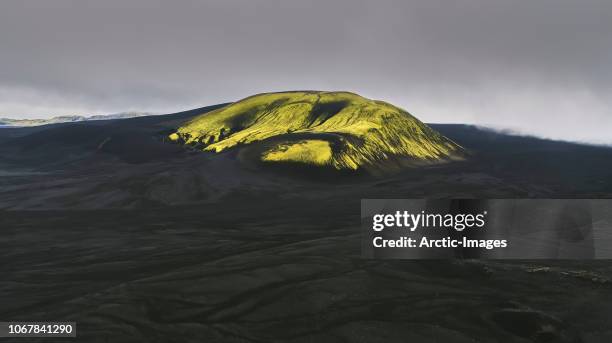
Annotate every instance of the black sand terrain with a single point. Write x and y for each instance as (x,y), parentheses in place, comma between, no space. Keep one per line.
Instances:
(138,239)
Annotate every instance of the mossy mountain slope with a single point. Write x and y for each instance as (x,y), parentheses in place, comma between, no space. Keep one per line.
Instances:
(336,129)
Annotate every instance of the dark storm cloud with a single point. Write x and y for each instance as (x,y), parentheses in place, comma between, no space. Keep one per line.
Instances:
(541,67)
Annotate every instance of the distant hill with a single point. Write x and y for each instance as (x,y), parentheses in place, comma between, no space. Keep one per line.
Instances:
(129,163)
(340,130)
(67,119)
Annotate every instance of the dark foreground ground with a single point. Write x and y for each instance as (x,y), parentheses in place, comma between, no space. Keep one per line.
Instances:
(135,239)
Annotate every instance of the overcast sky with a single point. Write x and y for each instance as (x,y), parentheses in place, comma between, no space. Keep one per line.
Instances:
(538,66)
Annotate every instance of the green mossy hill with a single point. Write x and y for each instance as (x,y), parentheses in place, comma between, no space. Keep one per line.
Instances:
(336,129)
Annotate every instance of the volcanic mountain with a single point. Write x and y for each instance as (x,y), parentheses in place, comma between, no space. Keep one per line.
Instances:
(340,130)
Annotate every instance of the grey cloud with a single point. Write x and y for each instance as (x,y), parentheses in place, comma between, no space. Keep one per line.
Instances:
(541,67)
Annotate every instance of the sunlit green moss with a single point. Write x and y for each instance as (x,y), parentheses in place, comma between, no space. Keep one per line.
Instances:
(366,131)
(317,152)
(174,137)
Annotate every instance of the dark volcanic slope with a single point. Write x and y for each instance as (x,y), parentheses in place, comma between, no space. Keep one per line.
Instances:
(561,169)
(128,163)
(140,240)
(268,269)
